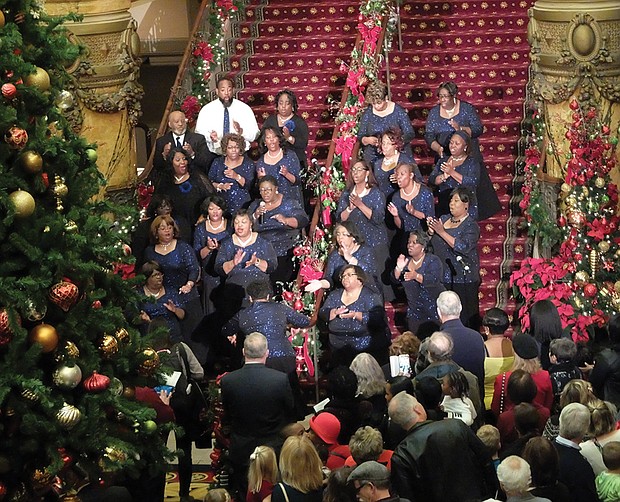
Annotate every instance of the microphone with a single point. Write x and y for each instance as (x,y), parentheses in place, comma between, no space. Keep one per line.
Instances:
(462,263)
(315,164)
(451,267)
(261,218)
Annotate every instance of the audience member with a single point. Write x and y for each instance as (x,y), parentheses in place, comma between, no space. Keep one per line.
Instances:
(489,435)
(264,391)
(427,390)
(420,461)
(224,115)
(562,370)
(300,470)
(545,325)
(498,347)
(372,483)
(526,358)
(605,376)
(576,391)
(603,429)
(608,482)
(343,403)
(575,471)
(367,444)
(323,432)
(545,466)
(456,402)
(217,495)
(514,478)
(370,390)
(262,474)
(527,424)
(405,343)
(337,489)
(468,344)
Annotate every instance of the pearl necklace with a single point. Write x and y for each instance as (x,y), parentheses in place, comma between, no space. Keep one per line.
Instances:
(363,194)
(417,262)
(219,226)
(165,246)
(274,156)
(284,120)
(458,159)
(410,193)
(390,161)
(244,243)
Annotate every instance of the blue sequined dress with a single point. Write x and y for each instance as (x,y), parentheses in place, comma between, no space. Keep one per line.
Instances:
(470,170)
(240,274)
(238,196)
(383,177)
(291,162)
(155,308)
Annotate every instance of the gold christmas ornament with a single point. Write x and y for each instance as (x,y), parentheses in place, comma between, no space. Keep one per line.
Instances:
(615,301)
(111,458)
(603,246)
(150,362)
(68,416)
(599,182)
(122,335)
(566,188)
(67,376)
(593,263)
(41,479)
(60,189)
(584,192)
(30,395)
(23,203)
(71,227)
(2,19)
(108,346)
(129,392)
(581,278)
(576,218)
(45,335)
(39,79)
(31,162)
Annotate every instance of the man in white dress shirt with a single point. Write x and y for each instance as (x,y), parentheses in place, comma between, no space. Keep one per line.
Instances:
(224,115)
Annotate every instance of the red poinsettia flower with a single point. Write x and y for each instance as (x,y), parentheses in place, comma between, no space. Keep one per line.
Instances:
(599,229)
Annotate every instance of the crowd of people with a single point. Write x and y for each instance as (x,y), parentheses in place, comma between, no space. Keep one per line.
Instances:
(472,416)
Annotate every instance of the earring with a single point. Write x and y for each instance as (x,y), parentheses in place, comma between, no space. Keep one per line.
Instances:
(366,179)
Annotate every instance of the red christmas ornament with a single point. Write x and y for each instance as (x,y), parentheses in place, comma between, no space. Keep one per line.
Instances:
(96,383)
(574,105)
(64,294)
(45,179)
(298,305)
(590,290)
(288,296)
(6,334)
(96,304)
(9,91)
(16,137)
(3,490)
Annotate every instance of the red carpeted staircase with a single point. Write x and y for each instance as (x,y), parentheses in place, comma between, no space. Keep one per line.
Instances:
(481,45)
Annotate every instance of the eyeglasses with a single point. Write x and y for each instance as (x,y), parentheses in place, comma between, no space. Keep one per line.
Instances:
(265,190)
(444,96)
(362,485)
(348,274)
(358,169)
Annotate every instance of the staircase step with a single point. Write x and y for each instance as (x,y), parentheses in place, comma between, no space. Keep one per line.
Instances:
(307,61)
(286,11)
(445,8)
(288,45)
(465,39)
(416,22)
(336,27)
(485,55)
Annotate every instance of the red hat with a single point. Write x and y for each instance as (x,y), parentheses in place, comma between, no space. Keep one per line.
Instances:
(326,426)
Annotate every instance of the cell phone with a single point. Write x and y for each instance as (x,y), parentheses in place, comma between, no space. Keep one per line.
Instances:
(167,388)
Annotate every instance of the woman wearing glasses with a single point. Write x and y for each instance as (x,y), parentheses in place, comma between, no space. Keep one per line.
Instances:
(355,318)
(364,204)
(449,116)
(278,220)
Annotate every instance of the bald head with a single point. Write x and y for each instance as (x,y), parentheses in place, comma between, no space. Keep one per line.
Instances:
(440,347)
(177,122)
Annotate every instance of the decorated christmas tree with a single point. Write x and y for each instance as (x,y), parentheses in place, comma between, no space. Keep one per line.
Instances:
(583,278)
(69,358)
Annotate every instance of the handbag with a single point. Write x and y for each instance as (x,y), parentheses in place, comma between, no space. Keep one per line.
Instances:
(284,492)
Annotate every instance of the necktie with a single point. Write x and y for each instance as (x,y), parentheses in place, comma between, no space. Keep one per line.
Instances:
(226,121)
(179,145)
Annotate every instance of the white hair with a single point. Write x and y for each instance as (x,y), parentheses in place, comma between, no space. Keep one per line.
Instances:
(515,475)
(370,376)
(255,346)
(449,304)
(574,421)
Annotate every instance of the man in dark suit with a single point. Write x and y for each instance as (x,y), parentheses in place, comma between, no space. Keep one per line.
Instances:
(193,143)
(258,403)
(575,471)
(468,350)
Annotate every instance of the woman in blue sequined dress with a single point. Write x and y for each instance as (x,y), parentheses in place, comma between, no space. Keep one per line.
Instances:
(207,237)
(449,116)
(233,174)
(455,241)
(460,168)
(384,167)
(279,220)
(364,204)
(355,317)
(281,163)
(381,115)
(421,275)
(179,264)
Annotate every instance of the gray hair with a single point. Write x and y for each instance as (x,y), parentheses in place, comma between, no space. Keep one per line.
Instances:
(514,474)
(255,346)
(574,421)
(449,304)
(370,376)
(440,347)
(402,409)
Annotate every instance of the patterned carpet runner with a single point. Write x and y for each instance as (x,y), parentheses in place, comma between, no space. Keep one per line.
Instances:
(481,45)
